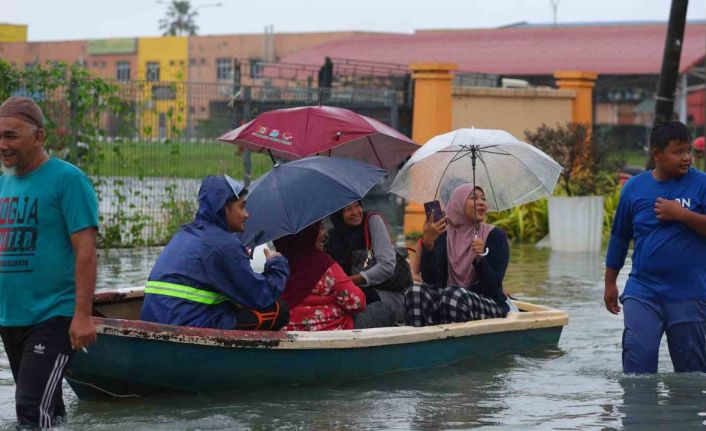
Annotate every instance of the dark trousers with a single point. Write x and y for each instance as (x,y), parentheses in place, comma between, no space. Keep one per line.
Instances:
(684,322)
(272,318)
(38,357)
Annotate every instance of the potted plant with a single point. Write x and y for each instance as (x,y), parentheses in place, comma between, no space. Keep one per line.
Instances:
(575,216)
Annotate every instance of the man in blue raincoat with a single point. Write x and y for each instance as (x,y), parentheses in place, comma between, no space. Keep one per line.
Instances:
(203,276)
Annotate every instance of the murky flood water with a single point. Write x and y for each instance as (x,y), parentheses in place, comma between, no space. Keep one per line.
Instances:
(578,386)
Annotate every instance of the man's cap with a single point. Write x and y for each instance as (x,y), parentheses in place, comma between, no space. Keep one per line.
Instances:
(23,108)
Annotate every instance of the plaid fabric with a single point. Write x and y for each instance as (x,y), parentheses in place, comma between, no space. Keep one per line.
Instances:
(459,304)
(426,305)
(421,305)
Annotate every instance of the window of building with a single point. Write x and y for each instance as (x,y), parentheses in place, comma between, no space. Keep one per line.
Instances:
(256,68)
(122,70)
(224,69)
(152,71)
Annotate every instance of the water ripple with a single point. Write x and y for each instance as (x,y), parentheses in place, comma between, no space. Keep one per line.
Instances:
(577,386)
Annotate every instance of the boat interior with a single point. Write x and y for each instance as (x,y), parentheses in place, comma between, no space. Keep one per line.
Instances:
(125,303)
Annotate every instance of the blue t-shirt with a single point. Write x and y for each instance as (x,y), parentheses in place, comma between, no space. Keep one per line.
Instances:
(38,213)
(668,256)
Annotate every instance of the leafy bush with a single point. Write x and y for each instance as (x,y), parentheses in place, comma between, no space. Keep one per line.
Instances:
(524,223)
(587,168)
(610,205)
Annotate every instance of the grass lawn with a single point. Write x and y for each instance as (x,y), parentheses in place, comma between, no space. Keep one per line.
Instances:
(176,159)
(636,158)
(195,160)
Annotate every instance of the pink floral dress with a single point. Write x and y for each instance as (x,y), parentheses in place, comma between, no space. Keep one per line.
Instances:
(331,305)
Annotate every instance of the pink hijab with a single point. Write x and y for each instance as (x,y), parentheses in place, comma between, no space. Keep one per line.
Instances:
(459,235)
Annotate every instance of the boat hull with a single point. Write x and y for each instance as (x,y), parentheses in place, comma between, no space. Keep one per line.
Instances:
(140,358)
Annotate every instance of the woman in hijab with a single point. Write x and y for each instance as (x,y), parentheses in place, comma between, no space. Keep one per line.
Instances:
(347,243)
(463,264)
(319,294)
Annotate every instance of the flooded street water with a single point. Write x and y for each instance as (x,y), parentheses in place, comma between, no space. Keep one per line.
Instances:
(578,386)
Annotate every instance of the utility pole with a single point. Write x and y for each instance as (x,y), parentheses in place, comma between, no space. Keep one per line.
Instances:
(555,9)
(664,108)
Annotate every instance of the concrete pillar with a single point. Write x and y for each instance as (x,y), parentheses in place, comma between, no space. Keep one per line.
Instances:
(432,99)
(582,83)
(431,117)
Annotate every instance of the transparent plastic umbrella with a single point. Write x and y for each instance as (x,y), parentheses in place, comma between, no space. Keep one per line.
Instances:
(509,171)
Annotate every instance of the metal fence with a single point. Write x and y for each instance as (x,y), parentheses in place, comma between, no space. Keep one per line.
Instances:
(151,146)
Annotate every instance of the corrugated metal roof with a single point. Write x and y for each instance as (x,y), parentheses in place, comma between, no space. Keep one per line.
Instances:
(606,49)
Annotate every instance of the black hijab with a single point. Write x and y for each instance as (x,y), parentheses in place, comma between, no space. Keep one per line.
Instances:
(344,239)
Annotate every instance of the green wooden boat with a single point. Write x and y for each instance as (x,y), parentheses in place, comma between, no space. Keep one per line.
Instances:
(136,358)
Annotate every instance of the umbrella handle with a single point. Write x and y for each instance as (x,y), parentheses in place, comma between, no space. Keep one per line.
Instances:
(485,253)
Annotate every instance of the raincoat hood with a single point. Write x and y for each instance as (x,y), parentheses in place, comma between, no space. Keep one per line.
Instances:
(214,194)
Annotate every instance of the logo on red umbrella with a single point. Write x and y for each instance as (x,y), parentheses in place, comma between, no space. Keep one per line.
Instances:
(287,136)
(262,130)
(274,133)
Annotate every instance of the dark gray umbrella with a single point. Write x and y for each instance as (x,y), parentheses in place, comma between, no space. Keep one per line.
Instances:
(294,195)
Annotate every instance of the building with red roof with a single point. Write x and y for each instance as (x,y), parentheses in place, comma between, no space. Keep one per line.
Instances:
(627,57)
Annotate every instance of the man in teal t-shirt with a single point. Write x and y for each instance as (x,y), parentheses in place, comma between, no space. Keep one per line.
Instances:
(48,224)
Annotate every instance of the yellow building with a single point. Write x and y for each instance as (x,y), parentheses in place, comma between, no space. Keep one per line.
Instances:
(13,33)
(164,59)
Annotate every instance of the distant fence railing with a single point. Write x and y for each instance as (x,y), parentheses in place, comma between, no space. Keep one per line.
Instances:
(149,148)
(472,79)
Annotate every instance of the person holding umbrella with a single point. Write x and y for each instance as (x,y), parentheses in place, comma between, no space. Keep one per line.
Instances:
(287,203)
(203,276)
(463,264)
(320,296)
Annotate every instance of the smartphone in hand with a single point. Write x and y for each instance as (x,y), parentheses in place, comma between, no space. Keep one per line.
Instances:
(433,211)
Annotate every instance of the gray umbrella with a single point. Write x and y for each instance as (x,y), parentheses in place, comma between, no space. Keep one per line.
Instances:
(296,194)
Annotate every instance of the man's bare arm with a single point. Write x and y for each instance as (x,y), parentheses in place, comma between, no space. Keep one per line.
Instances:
(610,295)
(83,331)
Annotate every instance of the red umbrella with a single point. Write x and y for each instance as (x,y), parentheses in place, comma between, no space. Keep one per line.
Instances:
(296,133)
(698,144)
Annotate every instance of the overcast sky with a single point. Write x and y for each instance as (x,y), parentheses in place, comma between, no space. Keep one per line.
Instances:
(92,19)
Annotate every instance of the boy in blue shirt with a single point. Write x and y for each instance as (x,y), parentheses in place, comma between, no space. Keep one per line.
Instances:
(663,212)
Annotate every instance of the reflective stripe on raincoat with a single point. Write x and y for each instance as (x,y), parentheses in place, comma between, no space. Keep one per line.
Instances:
(205,257)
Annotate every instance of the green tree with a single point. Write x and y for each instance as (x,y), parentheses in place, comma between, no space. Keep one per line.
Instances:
(180,19)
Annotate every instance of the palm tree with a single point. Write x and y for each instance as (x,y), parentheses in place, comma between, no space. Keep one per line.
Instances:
(180,19)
